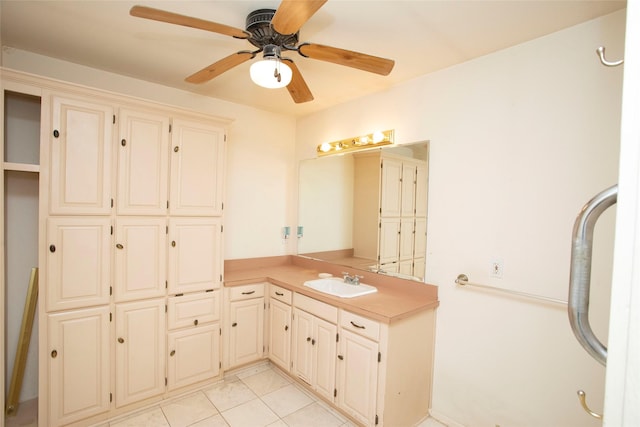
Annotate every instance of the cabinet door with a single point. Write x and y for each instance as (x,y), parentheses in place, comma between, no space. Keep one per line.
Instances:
(78,364)
(143,163)
(408,190)
(140,258)
(246,335)
(420,244)
(194,355)
(78,262)
(422,183)
(406,242)
(358,376)
(302,353)
(388,250)
(80,157)
(140,350)
(280,334)
(390,187)
(197,160)
(324,358)
(195,254)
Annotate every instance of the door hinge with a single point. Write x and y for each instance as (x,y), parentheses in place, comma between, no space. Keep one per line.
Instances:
(166,229)
(110,290)
(220,365)
(337,337)
(166,308)
(110,397)
(222,205)
(376,419)
(225,137)
(167,204)
(110,317)
(112,230)
(222,228)
(111,202)
(335,392)
(114,119)
(169,127)
(166,284)
(379,357)
(221,277)
(166,381)
(220,330)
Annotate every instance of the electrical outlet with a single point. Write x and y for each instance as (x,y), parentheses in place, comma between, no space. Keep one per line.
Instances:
(497,268)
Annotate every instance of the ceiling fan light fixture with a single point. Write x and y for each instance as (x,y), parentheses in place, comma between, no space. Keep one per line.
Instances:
(271,72)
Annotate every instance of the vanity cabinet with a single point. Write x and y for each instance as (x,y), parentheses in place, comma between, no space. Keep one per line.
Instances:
(314,344)
(244,324)
(280,315)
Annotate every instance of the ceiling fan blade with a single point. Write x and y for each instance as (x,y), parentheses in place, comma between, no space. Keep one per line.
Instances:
(187,21)
(349,58)
(297,88)
(292,14)
(219,67)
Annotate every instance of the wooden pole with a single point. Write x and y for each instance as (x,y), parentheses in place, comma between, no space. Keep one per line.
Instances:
(23,345)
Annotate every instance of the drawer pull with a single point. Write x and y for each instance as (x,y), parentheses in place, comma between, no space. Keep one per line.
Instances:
(248,292)
(355,325)
(195,322)
(119,246)
(120,340)
(234,324)
(280,294)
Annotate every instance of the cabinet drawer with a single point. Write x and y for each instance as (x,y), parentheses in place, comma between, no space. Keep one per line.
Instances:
(193,309)
(315,307)
(360,325)
(238,293)
(281,294)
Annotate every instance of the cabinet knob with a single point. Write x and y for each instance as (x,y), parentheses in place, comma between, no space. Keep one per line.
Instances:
(54,354)
(308,339)
(119,246)
(123,142)
(341,357)
(120,340)
(286,327)
(52,248)
(195,322)
(313,342)
(234,324)
(173,243)
(176,149)
(173,352)
(56,133)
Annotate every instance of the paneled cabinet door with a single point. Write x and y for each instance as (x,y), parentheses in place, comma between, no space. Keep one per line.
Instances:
(324,358)
(358,376)
(246,331)
(420,244)
(143,163)
(197,169)
(140,349)
(390,191)
(195,254)
(280,336)
(389,246)
(80,157)
(408,189)
(302,352)
(78,361)
(78,262)
(422,183)
(194,355)
(407,237)
(140,256)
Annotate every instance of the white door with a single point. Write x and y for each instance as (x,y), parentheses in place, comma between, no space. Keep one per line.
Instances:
(197,159)
(140,350)
(246,334)
(143,163)
(280,334)
(358,376)
(389,246)
(78,362)
(78,262)
(194,355)
(323,344)
(408,187)
(407,237)
(302,353)
(623,364)
(81,138)
(390,187)
(140,258)
(195,254)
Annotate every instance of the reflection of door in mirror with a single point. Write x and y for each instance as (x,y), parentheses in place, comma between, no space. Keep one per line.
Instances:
(367,210)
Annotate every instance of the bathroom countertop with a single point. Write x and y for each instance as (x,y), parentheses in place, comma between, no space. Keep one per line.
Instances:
(396,299)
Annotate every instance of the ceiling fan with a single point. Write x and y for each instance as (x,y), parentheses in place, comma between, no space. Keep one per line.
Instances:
(272,32)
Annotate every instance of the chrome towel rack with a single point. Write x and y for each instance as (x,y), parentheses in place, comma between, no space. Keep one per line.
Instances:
(463,280)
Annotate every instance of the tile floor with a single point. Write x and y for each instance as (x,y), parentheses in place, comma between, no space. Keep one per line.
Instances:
(255,397)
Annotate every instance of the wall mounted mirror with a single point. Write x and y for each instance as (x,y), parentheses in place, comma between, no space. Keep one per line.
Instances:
(367,210)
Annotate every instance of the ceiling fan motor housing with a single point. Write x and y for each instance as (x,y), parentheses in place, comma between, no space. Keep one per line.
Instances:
(262,34)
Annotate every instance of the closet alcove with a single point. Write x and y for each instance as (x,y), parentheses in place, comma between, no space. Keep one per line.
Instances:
(20,163)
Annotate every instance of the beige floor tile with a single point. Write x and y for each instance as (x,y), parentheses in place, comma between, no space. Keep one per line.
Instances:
(188,410)
(313,415)
(265,382)
(151,418)
(252,370)
(215,421)
(229,394)
(431,422)
(251,414)
(286,400)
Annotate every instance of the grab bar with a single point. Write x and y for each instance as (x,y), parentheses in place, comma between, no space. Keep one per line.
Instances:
(580,274)
(463,280)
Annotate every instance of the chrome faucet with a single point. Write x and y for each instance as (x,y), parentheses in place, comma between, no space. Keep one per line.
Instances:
(351,280)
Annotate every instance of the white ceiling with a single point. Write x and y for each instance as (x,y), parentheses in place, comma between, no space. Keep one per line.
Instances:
(420,35)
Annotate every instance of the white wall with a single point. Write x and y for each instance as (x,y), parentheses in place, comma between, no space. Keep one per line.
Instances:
(520,140)
(261,168)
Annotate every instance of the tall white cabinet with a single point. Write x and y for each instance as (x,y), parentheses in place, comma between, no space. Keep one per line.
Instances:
(129,249)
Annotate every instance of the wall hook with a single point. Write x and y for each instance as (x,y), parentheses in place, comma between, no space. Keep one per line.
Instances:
(600,52)
(583,401)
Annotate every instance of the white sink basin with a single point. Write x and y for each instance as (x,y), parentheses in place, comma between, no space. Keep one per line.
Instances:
(336,286)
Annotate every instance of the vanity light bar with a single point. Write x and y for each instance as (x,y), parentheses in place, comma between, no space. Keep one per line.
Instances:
(371,140)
